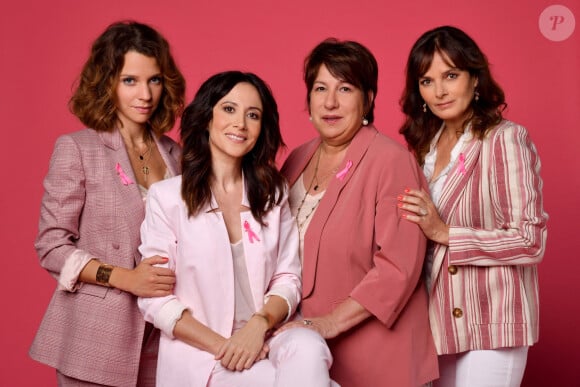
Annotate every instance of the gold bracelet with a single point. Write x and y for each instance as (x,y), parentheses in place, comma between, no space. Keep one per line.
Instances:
(103,274)
(266,317)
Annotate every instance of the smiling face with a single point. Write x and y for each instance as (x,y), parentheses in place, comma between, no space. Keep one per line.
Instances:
(336,108)
(447,91)
(236,123)
(138,90)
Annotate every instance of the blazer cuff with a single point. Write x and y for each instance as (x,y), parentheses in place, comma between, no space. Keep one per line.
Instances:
(73,265)
(168,316)
(274,293)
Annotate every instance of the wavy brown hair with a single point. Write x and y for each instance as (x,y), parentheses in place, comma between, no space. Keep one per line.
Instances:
(94,100)
(346,60)
(420,127)
(264,182)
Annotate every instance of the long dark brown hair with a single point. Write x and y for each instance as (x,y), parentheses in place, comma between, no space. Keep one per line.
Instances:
(264,182)
(94,101)
(420,127)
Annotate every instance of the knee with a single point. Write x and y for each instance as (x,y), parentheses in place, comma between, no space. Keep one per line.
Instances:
(304,342)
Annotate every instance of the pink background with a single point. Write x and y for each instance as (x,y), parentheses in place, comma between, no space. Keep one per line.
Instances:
(44,44)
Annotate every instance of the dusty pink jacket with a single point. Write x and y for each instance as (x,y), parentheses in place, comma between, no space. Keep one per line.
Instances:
(357,245)
(94,333)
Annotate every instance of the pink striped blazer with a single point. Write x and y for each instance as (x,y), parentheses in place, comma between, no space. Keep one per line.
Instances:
(483,287)
(95,333)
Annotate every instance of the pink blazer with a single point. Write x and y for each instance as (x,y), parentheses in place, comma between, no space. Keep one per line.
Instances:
(199,252)
(483,287)
(94,333)
(358,246)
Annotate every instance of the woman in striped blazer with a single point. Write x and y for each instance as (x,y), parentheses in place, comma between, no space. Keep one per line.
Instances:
(483,216)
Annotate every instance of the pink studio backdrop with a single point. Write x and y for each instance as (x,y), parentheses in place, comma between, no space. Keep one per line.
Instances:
(44,44)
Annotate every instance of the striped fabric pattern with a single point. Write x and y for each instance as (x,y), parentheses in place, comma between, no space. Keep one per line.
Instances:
(484,286)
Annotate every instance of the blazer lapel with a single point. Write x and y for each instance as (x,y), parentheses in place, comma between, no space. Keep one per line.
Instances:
(352,159)
(130,202)
(453,191)
(167,149)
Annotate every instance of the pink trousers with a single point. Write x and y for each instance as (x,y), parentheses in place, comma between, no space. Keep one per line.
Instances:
(298,357)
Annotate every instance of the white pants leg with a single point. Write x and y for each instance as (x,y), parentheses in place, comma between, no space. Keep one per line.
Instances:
(486,368)
(298,357)
(301,358)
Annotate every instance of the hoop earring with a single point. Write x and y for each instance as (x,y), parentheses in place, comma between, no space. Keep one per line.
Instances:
(424,108)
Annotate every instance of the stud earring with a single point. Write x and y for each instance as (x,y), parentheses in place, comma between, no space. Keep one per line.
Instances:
(476,93)
(310,118)
(424,108)
(365,122)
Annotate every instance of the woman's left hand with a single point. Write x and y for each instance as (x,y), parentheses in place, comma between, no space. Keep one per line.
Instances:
(325,326)
(245,347)
(423,212)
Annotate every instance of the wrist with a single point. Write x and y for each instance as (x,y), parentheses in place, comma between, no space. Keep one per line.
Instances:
(116,279)
(103,274)
(265,317)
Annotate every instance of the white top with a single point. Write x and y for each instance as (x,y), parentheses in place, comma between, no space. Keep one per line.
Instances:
(436,185)
(244,304)
(307,211)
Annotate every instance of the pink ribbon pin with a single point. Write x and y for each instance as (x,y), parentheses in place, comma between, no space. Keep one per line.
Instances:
(341,174)
(251,234)
(126,180)
(461,167)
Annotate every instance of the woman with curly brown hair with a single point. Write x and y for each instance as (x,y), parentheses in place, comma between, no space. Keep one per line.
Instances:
(129,94)
(483,215)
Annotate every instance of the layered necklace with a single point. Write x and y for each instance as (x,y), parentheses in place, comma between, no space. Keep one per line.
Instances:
(315,184)
(145,157)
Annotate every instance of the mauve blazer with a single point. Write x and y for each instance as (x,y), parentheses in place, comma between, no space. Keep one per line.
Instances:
(199,252)
(483,287)
(94,333)
(357,245)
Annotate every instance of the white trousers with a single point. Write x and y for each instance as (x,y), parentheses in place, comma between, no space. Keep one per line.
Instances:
(486,368)
(298,357)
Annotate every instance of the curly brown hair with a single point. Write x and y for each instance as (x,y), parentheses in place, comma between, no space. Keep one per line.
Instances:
(93,101)
(420,127)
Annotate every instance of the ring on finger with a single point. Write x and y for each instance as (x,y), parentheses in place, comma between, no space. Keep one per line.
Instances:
(422,211)
(307,322)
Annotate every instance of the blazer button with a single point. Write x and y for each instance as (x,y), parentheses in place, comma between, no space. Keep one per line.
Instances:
(452,269)
(457,313)
(115,245)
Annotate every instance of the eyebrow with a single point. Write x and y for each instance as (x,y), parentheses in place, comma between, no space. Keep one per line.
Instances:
(236,104)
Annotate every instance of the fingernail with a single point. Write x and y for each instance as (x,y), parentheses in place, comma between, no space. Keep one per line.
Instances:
(399,205)
(407,190)
(400,197)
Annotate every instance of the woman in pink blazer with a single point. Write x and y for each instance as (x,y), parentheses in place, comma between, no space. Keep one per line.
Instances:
(227,230)
(129,94)
(483,215)
(362,266)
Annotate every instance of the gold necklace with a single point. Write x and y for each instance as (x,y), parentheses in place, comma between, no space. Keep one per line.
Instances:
(298,223)
(145,156)
(319,181)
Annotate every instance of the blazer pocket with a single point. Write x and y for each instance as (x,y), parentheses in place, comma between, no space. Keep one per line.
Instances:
(93,290)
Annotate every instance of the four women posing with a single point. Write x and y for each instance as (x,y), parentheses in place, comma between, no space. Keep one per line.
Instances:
(260,279)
